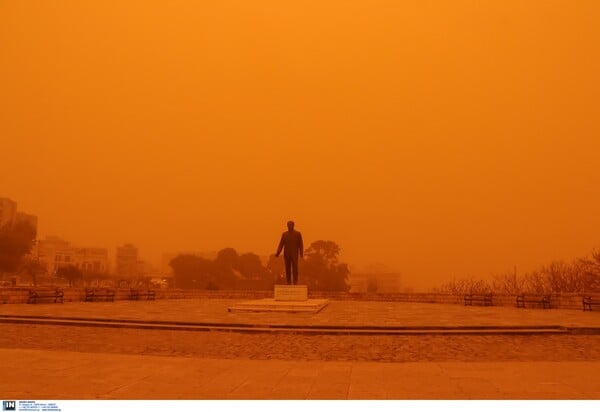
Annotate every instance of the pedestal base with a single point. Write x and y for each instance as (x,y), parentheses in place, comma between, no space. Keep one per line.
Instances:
(288,298)
(272,305)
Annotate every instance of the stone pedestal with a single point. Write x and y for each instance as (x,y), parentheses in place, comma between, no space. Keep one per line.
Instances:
(272,305)
(296,293)
(288,298)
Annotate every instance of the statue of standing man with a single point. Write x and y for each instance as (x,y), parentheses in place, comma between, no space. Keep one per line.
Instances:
(291,243)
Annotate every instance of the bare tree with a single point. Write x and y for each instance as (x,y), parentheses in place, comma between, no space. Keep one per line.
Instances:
(533,282)
(508,283)
(590,271)
(464,286)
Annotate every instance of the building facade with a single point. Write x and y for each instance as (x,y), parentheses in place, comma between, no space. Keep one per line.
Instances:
(127,261)
(9,214)
(8,211)
(56,253)
(375,282)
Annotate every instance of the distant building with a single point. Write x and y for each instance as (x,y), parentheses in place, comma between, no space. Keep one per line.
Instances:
(52,251)
(10,216)
(91,259)
(25,217)
(56,253)
(8,210)
(127,261)
(383,282)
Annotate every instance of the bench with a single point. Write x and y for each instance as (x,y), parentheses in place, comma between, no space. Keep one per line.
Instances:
(176,294)
(484,298)
(45,294)
(589,301)
(92,295)
(135,294)
(544,301)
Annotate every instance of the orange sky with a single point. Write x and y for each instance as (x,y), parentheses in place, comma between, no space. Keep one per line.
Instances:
(441,138)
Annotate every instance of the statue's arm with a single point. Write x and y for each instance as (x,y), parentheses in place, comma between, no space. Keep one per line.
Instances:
(280,246)
(300,244)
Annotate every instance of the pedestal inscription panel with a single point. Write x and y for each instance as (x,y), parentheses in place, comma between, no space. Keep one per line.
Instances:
(291,292)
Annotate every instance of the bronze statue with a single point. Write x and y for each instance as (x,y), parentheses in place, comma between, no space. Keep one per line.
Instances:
(291,243)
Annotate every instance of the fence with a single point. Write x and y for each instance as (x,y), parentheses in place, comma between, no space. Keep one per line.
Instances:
(558,301)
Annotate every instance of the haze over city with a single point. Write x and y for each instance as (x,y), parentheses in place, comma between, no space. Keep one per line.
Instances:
(182,126)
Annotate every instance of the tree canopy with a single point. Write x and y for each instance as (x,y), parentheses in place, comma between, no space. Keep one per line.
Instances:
(71,273)
(16,240)
(320,270)
(193,272)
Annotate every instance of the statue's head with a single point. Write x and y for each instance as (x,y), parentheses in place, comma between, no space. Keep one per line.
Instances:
(290,225)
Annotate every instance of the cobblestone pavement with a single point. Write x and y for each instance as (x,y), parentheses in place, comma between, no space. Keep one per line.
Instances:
(290,346)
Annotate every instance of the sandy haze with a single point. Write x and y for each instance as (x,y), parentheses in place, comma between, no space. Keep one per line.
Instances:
(438,138)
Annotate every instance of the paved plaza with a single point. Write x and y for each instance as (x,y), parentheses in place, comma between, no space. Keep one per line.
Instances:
(344,313)
(90,361)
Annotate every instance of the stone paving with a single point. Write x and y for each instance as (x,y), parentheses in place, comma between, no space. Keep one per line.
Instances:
(75,362)
(38,374)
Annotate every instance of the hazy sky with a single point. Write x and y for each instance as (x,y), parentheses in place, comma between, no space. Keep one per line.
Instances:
(441,138)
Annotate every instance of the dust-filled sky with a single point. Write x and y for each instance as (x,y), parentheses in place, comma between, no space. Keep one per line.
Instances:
(439,138)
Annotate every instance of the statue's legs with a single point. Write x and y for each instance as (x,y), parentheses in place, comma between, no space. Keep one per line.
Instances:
(291,270)
(288,269)
(295,270)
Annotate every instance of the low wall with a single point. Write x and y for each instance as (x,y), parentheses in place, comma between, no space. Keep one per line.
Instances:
(561,301)
(21,294)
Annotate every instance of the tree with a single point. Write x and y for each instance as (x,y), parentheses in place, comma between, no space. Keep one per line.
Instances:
(226,264)
(250,266)
(16,240)
(70,273)
(324,249)
(556,277)
(508,283)
(582,275)
(590,270)
(561,277)
(276,269)
(33,268)
(191,272)
(464,286)
(322,269)
(95,277)
(227,259)
(372,284)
